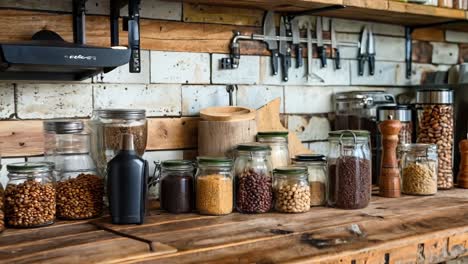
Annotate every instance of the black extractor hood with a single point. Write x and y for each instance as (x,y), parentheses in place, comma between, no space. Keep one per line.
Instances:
(48,57)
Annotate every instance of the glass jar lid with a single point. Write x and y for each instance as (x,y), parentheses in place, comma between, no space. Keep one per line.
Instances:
(348,134)
(29,167)
(417,148)
(126,114)
(177,164)
(273,134)
(310,158)
(398,112)
(252,147)
(436,95)
(291,170)
(214,161)
(63,126)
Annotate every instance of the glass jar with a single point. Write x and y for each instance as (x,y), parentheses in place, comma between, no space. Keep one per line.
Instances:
(176,187)
(79,188)
(291,189)
(418,169)
(2,204)
(252,169)
(435,126)
(278,141)
(108,125)
(349,166)
(214,186)
(318,178)
(29,195)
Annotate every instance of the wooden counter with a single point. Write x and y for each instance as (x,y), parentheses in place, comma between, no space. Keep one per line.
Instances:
(404,230)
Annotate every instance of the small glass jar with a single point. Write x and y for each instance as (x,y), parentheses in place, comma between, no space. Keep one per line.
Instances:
(278,141)
(291,189)
(176,187)
(318,178)
(418,169)
(29,195)
(253,170)
(214,186)
(350,169)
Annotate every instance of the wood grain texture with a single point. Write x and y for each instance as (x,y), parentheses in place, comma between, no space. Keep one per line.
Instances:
(429,34)
(222,15)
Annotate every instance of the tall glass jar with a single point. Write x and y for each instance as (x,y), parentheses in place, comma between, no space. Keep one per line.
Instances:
(435,126)
(214,186)
(253,170)
(29,195)
(291,189)
(318,176)
(108,126)
(177,190)
(350,171)
(278,141)
(2,204)
(79,188)
(418,169)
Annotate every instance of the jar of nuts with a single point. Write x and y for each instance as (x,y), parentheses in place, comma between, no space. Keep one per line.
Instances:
(291,189)
(29,195)
(254,182)
(435,126)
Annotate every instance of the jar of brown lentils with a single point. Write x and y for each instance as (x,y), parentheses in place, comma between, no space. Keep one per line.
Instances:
(30,195)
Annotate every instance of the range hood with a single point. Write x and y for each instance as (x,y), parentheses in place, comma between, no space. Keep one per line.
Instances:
(48,57)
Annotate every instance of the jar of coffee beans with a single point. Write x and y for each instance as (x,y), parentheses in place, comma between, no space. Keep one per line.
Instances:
(435,126)
(291,190)
(349,166)
(318,176)
(30,195)
(2,207)
(176,187)
(254,182)
(214,186)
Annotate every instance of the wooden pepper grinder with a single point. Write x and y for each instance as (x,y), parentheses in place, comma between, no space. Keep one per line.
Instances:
(389,172)
(463,173)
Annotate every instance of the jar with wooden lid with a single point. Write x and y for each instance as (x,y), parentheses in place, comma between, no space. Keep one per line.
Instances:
(317,176)
(278,142)
(419,166)
(30,195)
(214,186)
(254,181)
(177,190)
(291,189)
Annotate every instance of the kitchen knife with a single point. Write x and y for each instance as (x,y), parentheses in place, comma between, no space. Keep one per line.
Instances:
(269,30)
(371,52)
(309,50)
(284,51)
(297,42)
(322,52)
(362,57)
(335,48)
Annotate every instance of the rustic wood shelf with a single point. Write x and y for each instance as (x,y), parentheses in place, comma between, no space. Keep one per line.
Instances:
(383,11)
(409,229)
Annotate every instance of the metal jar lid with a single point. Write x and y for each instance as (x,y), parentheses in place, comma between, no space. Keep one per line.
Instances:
(253,147)
(29,167)
(177,164)
(309,158)
(272,134)
(291,170)
(126,114)
(63,126)
(434,96)
(398,112)
(214,161)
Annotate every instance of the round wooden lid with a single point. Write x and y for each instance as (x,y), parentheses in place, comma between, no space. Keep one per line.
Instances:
(227,113)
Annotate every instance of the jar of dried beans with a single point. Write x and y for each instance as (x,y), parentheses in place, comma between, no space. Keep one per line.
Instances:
(435,126)
(253,170)
(214,186)
(29,195)
(291,189)
(418,169)
(318,178)
(177,191)
(349,166)
(278,141)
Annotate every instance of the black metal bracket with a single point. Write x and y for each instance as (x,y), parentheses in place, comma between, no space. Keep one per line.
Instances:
(230,89)
(132,24)
(115,6)
(79,21)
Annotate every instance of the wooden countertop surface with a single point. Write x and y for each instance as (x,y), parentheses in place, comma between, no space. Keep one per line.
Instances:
(404,230)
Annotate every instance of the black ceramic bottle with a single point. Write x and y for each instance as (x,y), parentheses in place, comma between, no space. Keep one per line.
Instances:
(127,175)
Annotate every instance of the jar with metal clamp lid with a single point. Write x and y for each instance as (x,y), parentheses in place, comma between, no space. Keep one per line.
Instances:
(291,188)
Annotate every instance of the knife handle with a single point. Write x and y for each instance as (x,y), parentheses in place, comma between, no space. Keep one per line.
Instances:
(371,64)
(285,65)
(299,60)
(274,61)
(322,52)
(337,59)
(361,61)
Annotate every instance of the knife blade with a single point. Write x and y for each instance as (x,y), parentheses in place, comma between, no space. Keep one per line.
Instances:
(334,45)
(309,50)
(297,42)
(322,52)
(362,57)
(269,30)
(371,52)
(285,52)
